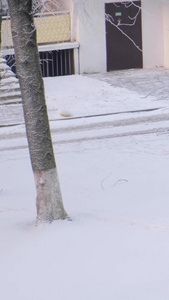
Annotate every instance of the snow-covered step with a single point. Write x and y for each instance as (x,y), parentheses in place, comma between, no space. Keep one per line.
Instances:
(5,89)
(11,101)
(8,82)
(9,85)
(10,94)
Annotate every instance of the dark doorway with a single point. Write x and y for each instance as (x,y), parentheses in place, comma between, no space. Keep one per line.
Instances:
(123,35)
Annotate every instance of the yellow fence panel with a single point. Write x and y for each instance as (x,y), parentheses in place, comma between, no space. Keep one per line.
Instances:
(50,29)
(6,34)
(53,29)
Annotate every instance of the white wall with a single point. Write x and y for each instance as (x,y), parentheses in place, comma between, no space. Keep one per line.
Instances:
(166,34)
(152,33)
(91,35)
(90,24)
(70,6)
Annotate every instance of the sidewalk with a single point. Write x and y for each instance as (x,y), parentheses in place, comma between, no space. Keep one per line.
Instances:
(153,82)
(150,89)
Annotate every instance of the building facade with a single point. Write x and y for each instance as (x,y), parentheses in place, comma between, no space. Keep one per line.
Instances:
(105,29)
(87,36)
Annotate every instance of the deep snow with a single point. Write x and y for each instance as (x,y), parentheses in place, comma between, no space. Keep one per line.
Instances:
(115,190)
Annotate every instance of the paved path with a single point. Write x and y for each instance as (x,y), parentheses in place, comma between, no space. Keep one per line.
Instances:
(146,82)
(103,128)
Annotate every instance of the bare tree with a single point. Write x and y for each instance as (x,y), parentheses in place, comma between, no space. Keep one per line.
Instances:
(0,20)
(1,14)
(46,6)
(49,198)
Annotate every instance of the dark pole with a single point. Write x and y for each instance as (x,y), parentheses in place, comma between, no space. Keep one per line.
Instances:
(0,30)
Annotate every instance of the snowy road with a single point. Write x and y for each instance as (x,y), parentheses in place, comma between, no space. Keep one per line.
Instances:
(102,106)
(113,172)
(66,131)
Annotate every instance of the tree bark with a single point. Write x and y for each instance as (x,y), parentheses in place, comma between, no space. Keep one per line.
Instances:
(0,33)
(49,198)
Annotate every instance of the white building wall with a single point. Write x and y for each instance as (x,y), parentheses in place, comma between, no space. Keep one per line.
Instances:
(166,34)
(91,35)
(152,33)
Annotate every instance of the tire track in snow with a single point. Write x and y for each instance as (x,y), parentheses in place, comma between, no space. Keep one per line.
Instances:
(86,138)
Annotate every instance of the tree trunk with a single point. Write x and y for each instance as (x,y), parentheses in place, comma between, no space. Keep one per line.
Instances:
(49,199)
(0,35)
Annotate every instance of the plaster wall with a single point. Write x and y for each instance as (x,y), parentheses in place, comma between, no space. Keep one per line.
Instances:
(152,33)
(91,35)
(166,34)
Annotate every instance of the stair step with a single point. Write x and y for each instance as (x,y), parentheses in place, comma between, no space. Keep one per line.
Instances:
(10,97)
(6,81)
(9,85)
(12,101)
(9,90)
(7,75)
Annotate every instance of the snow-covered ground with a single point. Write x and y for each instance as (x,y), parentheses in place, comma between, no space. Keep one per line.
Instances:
(114,172)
